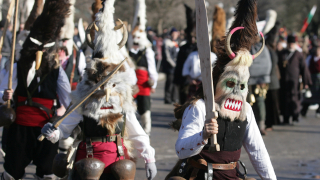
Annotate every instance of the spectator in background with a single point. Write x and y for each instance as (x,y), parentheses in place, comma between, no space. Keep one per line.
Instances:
(291,66)
(170,51)
(7,43)
(192,71)
(314,68)
(272,103)
(258,83)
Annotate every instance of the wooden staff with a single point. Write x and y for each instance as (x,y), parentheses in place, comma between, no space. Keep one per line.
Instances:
(8,19)
(206,67)
(13,48)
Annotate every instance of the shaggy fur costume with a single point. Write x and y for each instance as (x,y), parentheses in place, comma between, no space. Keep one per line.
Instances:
(139,34)
(45,29)
(226,68)
(218,27)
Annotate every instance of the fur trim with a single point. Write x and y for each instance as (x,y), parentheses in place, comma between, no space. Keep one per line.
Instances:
(219,27)
(97,69)
(110,121)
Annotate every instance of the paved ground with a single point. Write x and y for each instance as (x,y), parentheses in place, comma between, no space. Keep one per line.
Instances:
(294,150)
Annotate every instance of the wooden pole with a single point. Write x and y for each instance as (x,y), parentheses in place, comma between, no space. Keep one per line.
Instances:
(8,19)
(13,48)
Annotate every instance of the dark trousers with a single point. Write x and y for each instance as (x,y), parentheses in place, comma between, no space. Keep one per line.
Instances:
(272,108)
(4,138)
(23,147)
(170,94)
(143,103)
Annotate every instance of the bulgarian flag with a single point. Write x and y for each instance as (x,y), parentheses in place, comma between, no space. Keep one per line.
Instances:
(308,19)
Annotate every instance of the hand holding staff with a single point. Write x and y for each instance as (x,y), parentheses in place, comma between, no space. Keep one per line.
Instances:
(206,68)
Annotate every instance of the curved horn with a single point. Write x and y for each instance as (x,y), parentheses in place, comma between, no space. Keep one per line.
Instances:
(231,54)
(88,37)
(260,51)
(124,33)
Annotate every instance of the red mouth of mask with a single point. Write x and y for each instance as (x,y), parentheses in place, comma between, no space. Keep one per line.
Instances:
(110,107)
(233,105)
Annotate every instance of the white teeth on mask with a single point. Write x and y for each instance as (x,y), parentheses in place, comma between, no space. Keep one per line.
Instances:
(238,105)
(233,103)
(227,103)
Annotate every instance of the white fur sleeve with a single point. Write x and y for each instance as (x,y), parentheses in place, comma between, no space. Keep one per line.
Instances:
(256,149)
(67,125)
(190,141)
(139,138)
(4,82)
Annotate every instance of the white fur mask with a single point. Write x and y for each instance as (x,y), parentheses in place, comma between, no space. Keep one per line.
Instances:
(97,106)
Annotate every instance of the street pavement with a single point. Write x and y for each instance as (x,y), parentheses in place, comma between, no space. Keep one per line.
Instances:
(294,150)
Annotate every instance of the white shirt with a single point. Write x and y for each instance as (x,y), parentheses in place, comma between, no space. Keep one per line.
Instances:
(63,85)
(192,67)
(153,74)
(136,134)
(190,137)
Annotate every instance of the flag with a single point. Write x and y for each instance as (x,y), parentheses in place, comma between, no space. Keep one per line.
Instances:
(308,19)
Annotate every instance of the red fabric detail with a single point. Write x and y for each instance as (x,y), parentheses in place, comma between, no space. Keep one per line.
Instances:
(104,151)
(198,144)
(74,86)
(182,148)
(33,116)
(191,149)
(314,67)
(110,107)
(144,88)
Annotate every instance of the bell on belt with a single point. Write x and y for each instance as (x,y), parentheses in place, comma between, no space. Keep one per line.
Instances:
(176,178)
(89,168)
(59,165)
(7,116)
(124,169)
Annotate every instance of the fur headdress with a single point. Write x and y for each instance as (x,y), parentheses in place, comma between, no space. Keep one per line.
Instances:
(219,26)
(138,33)
(44,36)
(240,38)
(191,23)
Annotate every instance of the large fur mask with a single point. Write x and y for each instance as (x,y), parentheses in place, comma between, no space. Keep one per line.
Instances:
(232,87)
(114,97)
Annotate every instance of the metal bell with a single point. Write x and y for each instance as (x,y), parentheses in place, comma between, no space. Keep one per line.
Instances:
(7,116)
(124,169)
(89,168)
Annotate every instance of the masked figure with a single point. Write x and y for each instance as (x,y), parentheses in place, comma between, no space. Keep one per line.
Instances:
(147,75)
(37,82)
(110,130)
(235,125)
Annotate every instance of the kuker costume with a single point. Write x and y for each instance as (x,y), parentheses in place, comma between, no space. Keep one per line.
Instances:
(237,125)
(146,71)
(37,82)
(107,119)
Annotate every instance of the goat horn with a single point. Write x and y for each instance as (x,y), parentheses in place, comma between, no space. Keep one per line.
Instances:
(124,33)
(261,49)
(88,37)
(227,47)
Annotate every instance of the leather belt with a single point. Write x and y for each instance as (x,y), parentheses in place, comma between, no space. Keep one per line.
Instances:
(141,68)
(202,164)
(104,139)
